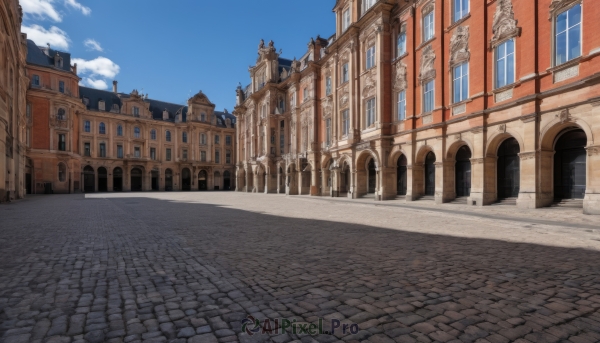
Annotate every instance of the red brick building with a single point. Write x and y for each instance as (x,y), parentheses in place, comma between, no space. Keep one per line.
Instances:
(448,100)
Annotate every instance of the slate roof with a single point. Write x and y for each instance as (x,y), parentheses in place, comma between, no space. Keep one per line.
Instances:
(156,106)
(44,57)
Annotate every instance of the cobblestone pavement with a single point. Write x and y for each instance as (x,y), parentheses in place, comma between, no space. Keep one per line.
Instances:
(188,267)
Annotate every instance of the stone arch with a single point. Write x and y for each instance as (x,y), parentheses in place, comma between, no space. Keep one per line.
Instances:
(395,154)
(367,173)
(422,154)
(495,140)
(325,160)
(550,132)
(419,170)
(453,148)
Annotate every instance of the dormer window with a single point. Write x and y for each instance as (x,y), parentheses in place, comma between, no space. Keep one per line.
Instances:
(86,101)
(115,108)
(101,105)
(136,111)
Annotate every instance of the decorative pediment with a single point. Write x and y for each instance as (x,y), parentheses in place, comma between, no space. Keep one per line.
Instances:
(557,5)
(459,46)
(400,81)
(201,98)
(427,64)
(429,7)
(504,25)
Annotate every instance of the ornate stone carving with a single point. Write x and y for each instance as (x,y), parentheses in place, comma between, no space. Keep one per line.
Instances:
(564,116)
(504,25)
(527,155)
(502,128)
(459,46)
(327,107)
(429,7)
(566,74)
(593,151)
(427,64)
(462,108)
(505,95)
(557,5)
(370,82)
(400,81)
(344,96)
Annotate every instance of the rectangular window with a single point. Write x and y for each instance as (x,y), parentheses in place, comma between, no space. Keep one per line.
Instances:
(428,96)
(136,111)
(568,35)
(35,80)
(102,150)
(217,157)
(227,140)
(87,126)
(87,151)
(505,63)
(328,85)
(62,144)
(137,152)
(185,154)
(305,94)
(119,151)
(367,4)
(460,85)
(346,20)
(461,9)
(282,137)
(153,153)
(370,113)
(61,86)
(401,44)
(428,26)
(168,155)
(28,111)
(370,62)
(345,76)
(203,156)
(217,139)
(345,122)
(228,157)
(401,105)
(328,132)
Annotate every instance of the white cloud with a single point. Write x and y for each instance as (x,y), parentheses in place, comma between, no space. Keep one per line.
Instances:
(41,9)
(56,37)
(92,44)
(78,6)
(98,84)
(98,67)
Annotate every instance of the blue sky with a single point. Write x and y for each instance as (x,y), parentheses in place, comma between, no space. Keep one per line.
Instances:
(172,49)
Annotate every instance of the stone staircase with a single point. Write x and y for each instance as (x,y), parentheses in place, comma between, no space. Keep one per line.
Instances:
(570,203)
(427,198)
(506,201)
(459,200)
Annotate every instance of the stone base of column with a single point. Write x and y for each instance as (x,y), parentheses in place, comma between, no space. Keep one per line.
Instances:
(591,204)
(527,200)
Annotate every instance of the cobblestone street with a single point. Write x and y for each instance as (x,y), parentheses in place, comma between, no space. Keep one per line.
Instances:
(189,267)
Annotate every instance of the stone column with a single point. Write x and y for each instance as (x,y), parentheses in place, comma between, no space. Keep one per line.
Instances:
(109,181)
(126,179)
(388,181)
(529,194)
(410,189)
(443,187)
(477,170)
(314,190)
(591,202)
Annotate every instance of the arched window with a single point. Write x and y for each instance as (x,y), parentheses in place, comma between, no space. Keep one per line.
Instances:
(168,136)
(119,130)
(87,126)
(102,129)
(153,134)
(136,132)
(184,137)
(62,172)
(60,115)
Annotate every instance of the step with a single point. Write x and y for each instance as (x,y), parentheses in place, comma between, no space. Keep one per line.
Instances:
(507,201)
(460,200)
(428,197)
(572,203)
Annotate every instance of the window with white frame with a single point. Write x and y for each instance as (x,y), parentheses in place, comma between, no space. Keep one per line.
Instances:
(370,113)
(568,35)
(367,4)
(401,105)
(460,84)
(428,96)
(345,71)
(460,10)
(346,19)
(328,85)
(370,61)
(401,43)
(345,122)
(428,27)
(505,63)
(328,132)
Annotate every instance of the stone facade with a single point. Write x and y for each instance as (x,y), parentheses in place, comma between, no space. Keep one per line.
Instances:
(12,102)
(89,140)
(413,99)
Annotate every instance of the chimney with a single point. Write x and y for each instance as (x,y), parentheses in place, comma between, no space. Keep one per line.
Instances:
(115,87)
